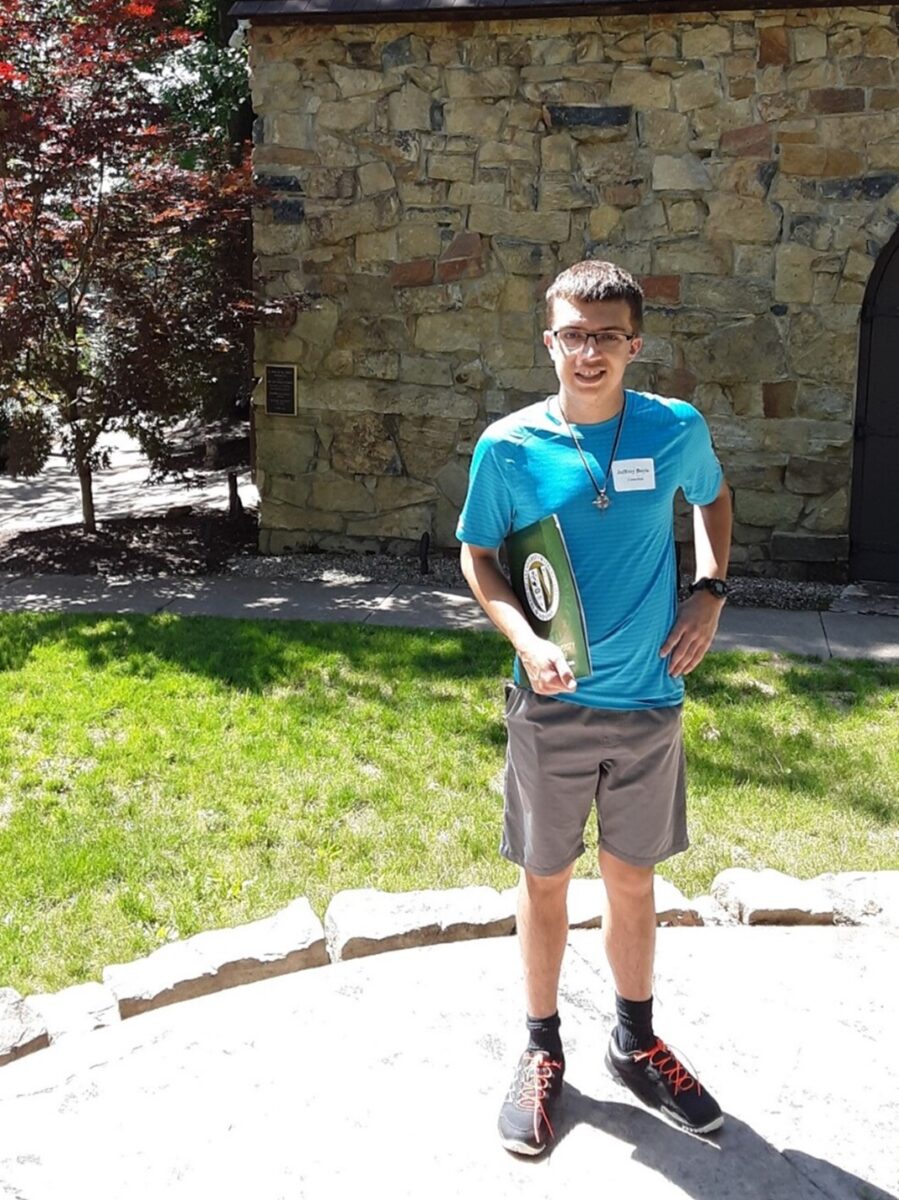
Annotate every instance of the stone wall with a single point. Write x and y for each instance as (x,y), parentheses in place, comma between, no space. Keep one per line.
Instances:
(430,179)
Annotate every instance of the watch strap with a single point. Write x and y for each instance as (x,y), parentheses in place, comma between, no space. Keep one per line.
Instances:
(718,587)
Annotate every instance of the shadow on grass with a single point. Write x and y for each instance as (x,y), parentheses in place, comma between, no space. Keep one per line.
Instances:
(399,669)
(751,747)
(752,756)
(327,663)
(829,687)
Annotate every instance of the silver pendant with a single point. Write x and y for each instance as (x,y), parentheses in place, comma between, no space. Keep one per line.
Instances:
(602,501)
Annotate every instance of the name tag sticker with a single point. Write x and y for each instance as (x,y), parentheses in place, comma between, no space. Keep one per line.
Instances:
(634,475)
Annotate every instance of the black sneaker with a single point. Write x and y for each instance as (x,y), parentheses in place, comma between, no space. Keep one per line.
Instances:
(525,1124)
(657,1078)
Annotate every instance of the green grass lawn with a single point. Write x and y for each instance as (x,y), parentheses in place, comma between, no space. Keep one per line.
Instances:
(161,775)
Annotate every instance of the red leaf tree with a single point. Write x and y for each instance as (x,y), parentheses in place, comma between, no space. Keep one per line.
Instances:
(123,304)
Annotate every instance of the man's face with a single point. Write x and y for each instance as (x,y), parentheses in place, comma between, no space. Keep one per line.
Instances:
(594,372)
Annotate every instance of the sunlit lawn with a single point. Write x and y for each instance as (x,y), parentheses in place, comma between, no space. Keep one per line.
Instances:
(161,775)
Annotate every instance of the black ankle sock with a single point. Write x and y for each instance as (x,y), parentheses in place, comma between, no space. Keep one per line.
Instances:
(543,1034)
(634,1028)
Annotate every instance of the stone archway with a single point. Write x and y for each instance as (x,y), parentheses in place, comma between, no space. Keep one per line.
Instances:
(874,527)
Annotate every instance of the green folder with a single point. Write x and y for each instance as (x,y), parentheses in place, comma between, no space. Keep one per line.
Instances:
(542,579)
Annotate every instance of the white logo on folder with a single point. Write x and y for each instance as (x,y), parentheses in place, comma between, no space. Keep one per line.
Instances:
(541,586)
(634,475)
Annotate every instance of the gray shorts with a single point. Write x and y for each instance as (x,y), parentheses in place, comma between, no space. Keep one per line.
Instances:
(564,758)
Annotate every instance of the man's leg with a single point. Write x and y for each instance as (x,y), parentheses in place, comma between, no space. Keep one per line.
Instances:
(526,1117)
(629,925)
(542,934)
(641,802)
(636,1057)
(550,786)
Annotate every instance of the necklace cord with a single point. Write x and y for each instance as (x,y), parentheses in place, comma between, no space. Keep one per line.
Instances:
(600,491)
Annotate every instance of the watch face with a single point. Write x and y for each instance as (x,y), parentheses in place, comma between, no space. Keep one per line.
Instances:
(716,586)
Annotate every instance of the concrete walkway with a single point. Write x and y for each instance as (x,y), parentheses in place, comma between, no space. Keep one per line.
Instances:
(383,1077)
(820,635)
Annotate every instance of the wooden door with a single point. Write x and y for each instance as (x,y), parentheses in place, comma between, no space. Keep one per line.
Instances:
(874,519)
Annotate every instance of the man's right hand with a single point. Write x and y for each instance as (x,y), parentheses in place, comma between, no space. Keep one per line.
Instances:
(547,667)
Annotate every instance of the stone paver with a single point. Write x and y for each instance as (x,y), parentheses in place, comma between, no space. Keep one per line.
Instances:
(291,940)
(770,897)
(864,897)
(79,1009)
(365,921)
(22,1029)
(383,1076)
(868,597)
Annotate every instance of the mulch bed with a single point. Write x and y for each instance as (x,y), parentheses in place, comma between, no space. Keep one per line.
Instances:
(192,543)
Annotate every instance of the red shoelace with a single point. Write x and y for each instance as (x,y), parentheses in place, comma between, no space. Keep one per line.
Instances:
(666,1064)
(532,1089)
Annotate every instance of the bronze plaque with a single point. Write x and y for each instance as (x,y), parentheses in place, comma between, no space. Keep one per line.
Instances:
(281,389)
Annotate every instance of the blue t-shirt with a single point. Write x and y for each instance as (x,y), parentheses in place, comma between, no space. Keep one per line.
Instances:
(526,467)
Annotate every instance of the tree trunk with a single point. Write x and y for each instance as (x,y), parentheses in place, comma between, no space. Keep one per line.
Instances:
(86,479)
(235,504)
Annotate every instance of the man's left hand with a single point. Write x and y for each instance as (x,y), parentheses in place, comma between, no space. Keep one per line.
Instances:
(693,632)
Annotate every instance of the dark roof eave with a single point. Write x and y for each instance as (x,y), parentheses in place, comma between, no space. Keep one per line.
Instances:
(356,12)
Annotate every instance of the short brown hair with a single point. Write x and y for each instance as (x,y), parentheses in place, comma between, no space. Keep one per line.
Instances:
(594,280)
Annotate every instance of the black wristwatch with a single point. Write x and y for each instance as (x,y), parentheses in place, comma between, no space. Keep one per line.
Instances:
(718,587)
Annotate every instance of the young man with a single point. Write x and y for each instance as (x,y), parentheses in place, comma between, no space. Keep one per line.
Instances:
(607,462)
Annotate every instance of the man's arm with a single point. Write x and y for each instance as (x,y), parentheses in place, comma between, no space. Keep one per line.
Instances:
(546,665)
(697,618)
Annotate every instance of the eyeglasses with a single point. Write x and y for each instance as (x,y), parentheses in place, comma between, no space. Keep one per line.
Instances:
(572,341)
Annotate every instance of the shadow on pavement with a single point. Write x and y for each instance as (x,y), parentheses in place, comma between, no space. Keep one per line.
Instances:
(735,1162)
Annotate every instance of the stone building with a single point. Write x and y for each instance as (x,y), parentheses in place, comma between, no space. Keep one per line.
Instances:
(432,170)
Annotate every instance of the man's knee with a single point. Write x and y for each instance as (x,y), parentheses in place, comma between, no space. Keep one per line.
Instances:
(546,888)
(624,880)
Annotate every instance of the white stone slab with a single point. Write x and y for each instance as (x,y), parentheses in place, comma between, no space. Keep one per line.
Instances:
(710,912)
(863,897)
(672,906)
(21,1030)
(291,940)
(79,1009)
(366,921)
(770,897)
